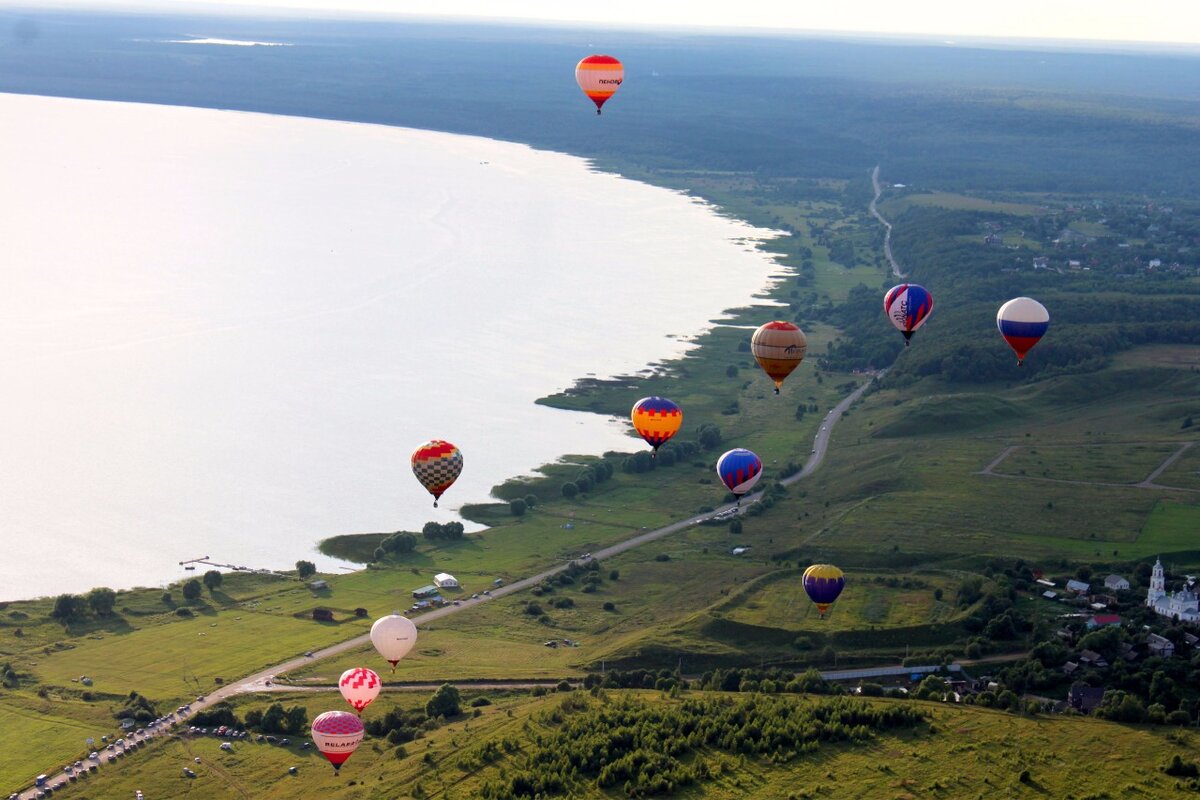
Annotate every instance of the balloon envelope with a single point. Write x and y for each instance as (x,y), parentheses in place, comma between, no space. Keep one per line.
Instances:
(778,347)
(337,734)
(599,77)
(393,636)
(359,686)
(656,419)
(907,307)
(823,583)
(739,470)
(1022,322)
(437,464)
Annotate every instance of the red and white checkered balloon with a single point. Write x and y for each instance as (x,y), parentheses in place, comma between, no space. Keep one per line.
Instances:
(359,686)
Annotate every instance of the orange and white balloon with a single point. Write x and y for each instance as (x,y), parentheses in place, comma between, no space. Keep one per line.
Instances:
(599,77)
(359,686)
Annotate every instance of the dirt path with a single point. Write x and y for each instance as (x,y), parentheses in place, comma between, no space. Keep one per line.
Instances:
(1145,483)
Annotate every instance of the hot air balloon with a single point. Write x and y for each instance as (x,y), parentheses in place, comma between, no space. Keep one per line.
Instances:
(599,77)
(779,348)
(437,465)
(359,686)
(337,735)
(823,583)
(1022,322)
(393,636)
(907,306)
(656,419)
(739,470)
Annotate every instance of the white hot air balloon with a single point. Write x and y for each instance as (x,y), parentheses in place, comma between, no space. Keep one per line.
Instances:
(393,636)
(359,686)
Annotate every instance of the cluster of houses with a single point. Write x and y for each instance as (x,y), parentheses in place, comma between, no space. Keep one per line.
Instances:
(1080,592)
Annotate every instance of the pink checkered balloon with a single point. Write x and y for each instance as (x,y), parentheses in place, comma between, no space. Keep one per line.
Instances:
(359,686)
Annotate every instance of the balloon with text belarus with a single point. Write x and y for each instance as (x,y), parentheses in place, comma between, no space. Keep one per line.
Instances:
(599,77)
(778,347)
(907,307)
(656,419)
(359,686)
(1022,322)
(337,734)
(823,583)
(437,464)
(393,636)
(739,469)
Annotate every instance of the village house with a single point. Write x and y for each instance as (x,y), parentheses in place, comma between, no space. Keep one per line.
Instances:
(1102,620)
(1160,645)
(1085,699)
(1079,587)
(1090,658)
(444,580)
(1116,583)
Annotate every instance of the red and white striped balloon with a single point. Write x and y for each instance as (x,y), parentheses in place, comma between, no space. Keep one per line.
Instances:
(359,686)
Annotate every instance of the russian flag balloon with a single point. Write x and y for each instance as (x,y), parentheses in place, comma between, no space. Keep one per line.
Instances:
(739,470)
(1022,322)
(907,307)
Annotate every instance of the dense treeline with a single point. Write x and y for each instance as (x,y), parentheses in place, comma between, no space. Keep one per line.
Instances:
(644,750)
(1091,317)
(772,107)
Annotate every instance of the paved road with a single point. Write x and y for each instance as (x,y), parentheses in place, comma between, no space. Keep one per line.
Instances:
(264,680)
(887,237)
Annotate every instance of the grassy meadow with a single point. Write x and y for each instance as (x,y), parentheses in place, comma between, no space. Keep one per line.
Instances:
(961,752)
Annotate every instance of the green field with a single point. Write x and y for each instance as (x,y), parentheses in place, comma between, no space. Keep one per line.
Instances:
(1101,463)
(962,752)
(47,731)
(956,202)
(779,601)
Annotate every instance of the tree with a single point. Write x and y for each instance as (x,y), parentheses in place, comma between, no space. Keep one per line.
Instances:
(432,531)
(192,590)
(445,702)
(1187,422)
(455,530)
(569,490)
(517,507)
(101,600)
(937,594)
(296,719)
(306,569)
(531,500)
(67,607)
(212,579)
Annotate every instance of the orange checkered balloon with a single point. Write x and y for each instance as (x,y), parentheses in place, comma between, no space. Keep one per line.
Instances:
(437,464)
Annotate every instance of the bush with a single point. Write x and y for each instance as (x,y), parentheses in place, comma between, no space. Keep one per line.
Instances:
(184,611)
(517,507)
(569,490)
(662,557)
(530,500)
(610,606)
(479,702)
(614,575)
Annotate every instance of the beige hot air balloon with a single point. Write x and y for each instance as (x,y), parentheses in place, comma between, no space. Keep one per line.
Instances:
(393,636)
(779,347)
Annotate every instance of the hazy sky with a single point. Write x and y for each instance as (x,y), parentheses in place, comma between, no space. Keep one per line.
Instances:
(1144,20)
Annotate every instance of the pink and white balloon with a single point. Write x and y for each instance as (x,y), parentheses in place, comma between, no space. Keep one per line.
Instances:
(359,686)
(337,734)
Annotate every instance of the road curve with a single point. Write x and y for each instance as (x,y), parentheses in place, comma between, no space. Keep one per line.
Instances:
(264,680)
(887,237)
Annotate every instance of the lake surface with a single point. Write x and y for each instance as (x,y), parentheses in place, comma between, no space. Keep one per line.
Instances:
(224,333)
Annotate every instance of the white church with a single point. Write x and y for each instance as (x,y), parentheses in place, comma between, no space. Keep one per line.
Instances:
(1183,605)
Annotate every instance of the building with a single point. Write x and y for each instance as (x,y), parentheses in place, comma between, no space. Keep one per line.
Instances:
(444,580)
(1116,583)
(1078,587)
(1183,605)
(425,591)
(1085,699)
(1160,645)
(1090,658)
(1049,595)
(322,615)
(1102,620)
(318,585)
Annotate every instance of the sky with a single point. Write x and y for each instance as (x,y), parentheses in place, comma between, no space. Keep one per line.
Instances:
(1105,20)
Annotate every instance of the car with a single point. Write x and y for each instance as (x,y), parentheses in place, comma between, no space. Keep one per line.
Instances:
(487,592)
(285,742)
(474,597)
(94,756)
(458,602)
(308,654)
(200,699)
(226,746)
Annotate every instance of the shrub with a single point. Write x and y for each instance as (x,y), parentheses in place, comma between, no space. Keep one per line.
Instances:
(662,557)
(569,490)
(517,507)
(610,606)
(183,611)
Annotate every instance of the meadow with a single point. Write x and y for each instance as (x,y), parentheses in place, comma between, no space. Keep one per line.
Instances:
(960,752)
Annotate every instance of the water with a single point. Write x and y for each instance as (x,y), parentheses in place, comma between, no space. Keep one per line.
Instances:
(223,333)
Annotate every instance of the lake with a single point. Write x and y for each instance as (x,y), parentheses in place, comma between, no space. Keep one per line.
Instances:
(222,334)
